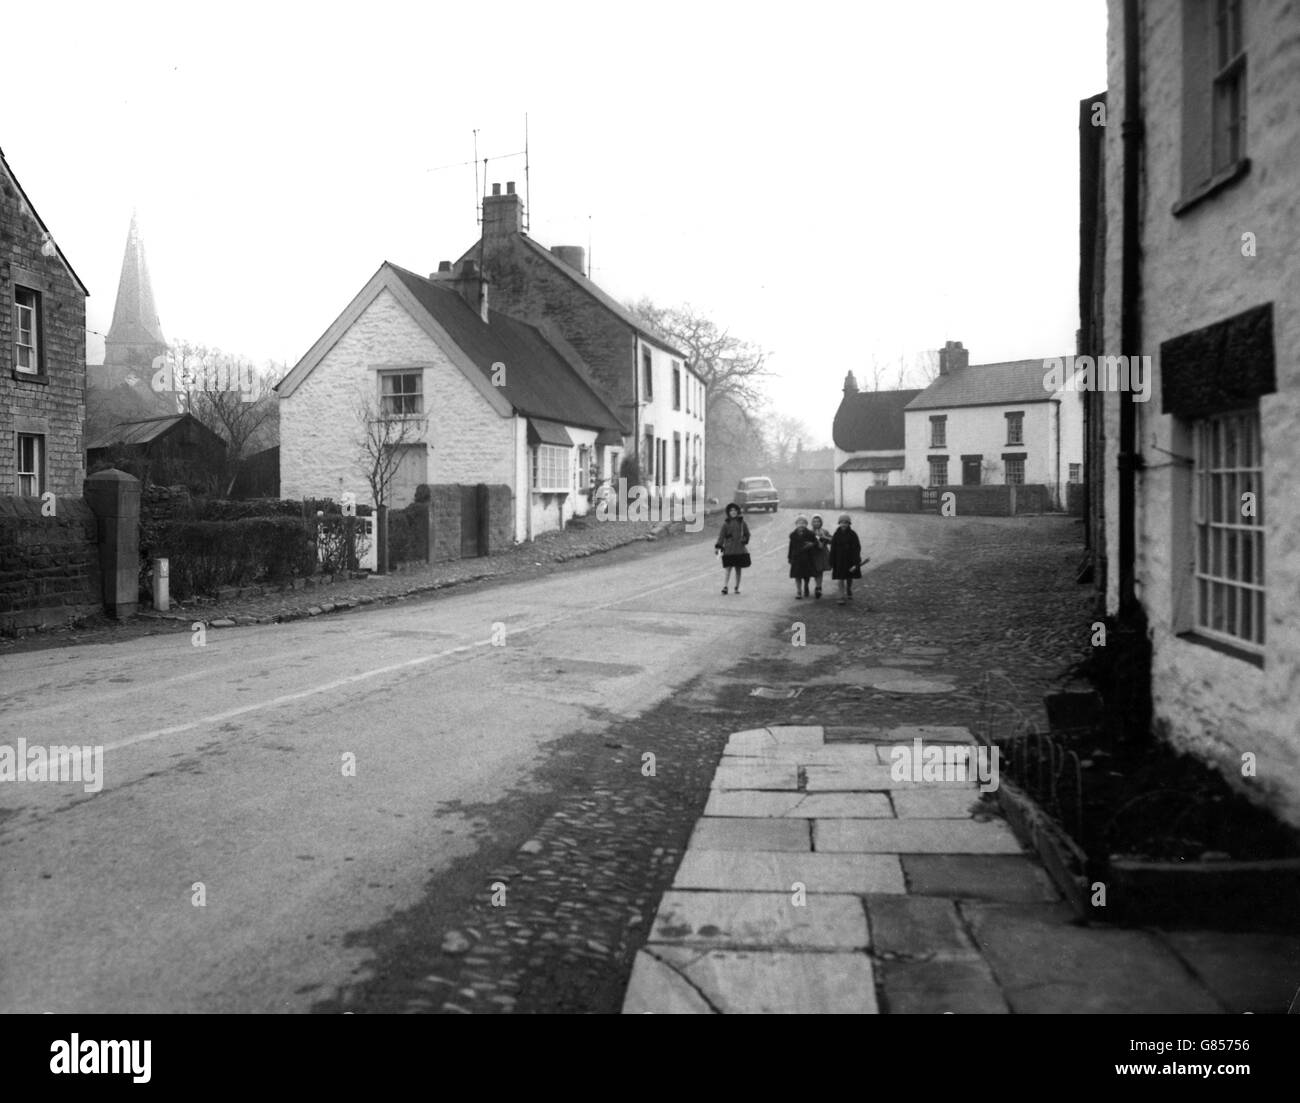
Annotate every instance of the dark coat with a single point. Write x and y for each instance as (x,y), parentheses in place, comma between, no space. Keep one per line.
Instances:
(822,561)
(802,555)
(733,537)
(846,551)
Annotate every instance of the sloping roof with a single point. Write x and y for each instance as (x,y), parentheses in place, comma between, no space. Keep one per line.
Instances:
(872,463)
(541,431)
(871,421)
(146,431)
(594,290)
(539,380)
(39,221)
(1012,382)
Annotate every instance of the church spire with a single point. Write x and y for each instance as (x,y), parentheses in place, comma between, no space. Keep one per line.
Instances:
(136,336)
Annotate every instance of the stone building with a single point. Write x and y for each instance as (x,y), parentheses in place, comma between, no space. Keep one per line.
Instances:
(642,377)
(1198,246)
(42,354)
(492,401)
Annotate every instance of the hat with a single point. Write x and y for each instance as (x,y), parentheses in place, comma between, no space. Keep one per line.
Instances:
(845,519)
(730,507)
(800,520)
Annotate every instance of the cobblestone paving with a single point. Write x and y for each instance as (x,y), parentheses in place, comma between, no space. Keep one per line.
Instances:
(582,889)
(316,597)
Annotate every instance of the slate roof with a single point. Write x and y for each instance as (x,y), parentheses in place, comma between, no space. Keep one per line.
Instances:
(544,379)
(871,421)
(594,290)
(873,463)
(1010,383)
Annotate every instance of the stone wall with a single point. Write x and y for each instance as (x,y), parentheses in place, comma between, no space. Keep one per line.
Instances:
(445,520)
(51,404)
(1197,271)
(49,566)
(893,499)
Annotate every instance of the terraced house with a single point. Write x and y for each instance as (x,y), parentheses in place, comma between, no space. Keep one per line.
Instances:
(42,354)
(1191,211)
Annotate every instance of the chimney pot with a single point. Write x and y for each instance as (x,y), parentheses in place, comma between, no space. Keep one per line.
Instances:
(496,189)
(444,266)
(510,187)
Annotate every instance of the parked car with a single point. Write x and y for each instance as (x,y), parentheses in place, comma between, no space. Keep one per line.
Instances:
(757,493)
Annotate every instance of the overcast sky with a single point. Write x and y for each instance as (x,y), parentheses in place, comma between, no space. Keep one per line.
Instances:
(834,182)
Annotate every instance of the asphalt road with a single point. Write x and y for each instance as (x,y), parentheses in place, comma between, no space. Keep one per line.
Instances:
(227,770)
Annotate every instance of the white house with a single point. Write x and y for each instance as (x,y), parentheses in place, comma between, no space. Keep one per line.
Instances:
(506,403)
(994,423)
(1199,268)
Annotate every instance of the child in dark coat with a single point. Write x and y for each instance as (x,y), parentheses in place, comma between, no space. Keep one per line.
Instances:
(802,556)
(733,545)
(846,557)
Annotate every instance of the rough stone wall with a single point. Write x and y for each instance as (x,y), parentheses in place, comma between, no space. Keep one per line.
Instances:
(52,405)
(1215,705)
(525,286)
(49,566)
(468,441)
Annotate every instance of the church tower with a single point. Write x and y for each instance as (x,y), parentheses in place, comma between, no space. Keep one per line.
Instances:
(136,336)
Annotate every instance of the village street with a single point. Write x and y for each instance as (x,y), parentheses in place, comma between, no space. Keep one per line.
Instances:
(226,774)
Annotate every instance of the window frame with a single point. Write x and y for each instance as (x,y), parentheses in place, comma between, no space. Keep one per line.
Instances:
(677,385)
(555,461)
(1221,485)
(36,307)
(939,431)
(1015,427)
(648,374)
(933,460)
(37,471)
(418,394)
(1013,471)
(1213,142)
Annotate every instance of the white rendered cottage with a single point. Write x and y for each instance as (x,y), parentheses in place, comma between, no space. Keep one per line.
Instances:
(506,403)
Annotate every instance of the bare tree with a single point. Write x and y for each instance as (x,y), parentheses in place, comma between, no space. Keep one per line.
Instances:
(732,369)
(382,436)
(228,395)
(783,435)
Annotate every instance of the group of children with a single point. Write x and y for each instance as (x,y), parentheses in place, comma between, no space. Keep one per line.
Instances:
(812,553)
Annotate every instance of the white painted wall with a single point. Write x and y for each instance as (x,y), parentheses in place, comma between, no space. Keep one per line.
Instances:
(982,430)
(1194,274)
(659,412)
(468,441)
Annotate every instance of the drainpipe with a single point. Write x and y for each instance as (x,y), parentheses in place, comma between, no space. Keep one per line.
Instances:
(1130,318)
(1056,407)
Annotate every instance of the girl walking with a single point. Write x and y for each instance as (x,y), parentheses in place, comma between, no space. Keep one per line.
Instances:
(846,557)
(802,556)
(731,543)
(822,560)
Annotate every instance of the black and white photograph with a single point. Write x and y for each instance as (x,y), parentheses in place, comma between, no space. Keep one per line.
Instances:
(698,508)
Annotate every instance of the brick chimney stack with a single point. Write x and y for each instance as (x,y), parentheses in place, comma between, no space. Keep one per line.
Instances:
(953,357)
(850,383)
(502,214)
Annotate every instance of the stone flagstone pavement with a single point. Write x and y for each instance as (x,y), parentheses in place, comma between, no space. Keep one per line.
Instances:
(816,883)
